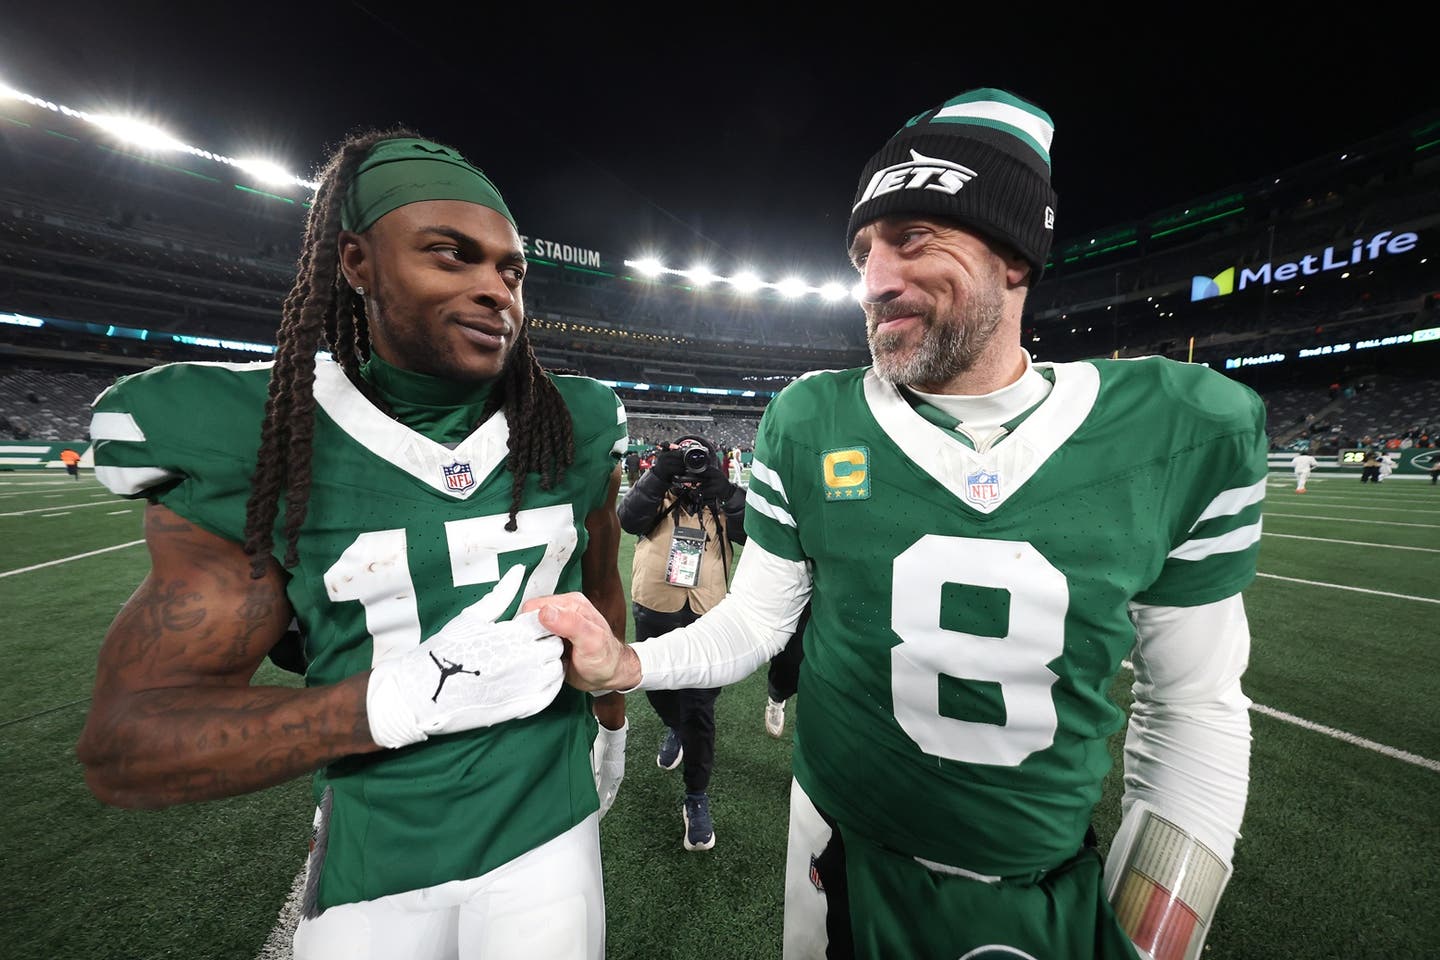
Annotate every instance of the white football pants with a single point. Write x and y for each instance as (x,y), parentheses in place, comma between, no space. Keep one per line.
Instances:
(547,904)
(1300,477)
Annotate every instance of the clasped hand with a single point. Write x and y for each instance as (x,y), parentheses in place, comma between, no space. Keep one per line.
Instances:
(594,658)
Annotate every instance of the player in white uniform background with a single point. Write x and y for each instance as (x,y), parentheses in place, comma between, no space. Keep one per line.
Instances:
(1387,465)
(1302,464)
(982,541)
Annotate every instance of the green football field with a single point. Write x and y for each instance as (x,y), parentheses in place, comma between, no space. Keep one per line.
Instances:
(1340,856)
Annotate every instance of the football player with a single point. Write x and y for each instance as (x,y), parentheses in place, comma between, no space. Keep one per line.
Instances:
(983,542)
(432,476)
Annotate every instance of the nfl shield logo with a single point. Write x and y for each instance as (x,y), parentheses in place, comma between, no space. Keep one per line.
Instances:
(458,476)
(982,487)
(815,875)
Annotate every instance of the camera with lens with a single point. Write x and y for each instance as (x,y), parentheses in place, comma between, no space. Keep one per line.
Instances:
(696,456)
(696,459)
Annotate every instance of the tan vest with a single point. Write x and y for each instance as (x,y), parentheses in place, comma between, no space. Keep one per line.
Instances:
(648,587)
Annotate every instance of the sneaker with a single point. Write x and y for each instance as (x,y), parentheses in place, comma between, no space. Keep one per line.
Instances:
(671,751)
(699,828)
(774,717)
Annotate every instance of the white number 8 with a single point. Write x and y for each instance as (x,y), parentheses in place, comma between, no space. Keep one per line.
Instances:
(1039,598)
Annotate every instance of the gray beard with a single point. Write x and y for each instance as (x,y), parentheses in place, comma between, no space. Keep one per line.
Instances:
(948,347)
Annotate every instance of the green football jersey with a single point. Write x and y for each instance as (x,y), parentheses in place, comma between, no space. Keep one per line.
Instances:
(969,609)
(402,533)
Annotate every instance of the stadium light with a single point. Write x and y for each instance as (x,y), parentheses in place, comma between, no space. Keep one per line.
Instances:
(648,266)
(858,291)
(138,132)
(792,287)
(746,282)
(699,275)
(833,291)
(267,171)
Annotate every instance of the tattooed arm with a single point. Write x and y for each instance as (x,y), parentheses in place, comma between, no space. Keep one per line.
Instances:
(174,718)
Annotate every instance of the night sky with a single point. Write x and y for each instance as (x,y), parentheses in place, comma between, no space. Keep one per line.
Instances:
(735,134)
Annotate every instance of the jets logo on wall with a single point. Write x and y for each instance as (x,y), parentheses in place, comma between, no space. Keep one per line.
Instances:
(458,476)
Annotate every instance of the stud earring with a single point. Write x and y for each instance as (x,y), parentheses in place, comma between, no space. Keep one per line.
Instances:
(360,290)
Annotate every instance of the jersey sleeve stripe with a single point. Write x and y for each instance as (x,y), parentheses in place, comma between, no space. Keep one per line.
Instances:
(621,445)
(770,478)
(765,508)
(1235,541)
(115,426)
(1232,501)
(128,481)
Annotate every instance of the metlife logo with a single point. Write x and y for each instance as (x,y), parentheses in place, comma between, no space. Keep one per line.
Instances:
(1361,250)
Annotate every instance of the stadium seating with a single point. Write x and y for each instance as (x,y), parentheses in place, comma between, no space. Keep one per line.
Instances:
(98,240)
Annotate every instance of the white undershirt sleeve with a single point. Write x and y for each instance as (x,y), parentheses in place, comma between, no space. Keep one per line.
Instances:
(1187,750)
(741,632)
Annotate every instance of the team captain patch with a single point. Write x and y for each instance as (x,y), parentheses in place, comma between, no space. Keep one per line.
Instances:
(846,473)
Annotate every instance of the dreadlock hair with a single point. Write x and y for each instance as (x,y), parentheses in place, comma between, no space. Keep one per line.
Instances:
(322,311)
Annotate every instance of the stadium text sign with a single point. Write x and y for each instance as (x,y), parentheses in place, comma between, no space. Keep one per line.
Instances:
(1361,250)
(561,252)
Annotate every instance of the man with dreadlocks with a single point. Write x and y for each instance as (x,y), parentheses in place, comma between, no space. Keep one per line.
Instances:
(433,476)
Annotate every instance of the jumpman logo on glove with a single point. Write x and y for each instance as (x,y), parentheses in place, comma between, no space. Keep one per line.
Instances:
(448,668)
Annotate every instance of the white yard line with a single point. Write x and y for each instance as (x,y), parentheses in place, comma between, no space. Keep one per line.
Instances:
(1341,586)
(1341,505)
(21,513)
(278,946)
(1350,738)
(1311,516)
(1353,543)
(78,556)
(46,516)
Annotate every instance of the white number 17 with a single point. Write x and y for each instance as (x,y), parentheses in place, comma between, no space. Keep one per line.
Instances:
(375,570)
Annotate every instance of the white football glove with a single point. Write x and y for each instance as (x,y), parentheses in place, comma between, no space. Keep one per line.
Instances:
(472,673)
(607,762)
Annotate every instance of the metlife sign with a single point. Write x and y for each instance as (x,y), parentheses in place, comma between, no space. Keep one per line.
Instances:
(1361,250)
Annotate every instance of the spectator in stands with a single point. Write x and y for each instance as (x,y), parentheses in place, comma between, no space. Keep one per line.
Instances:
(454,773)
(879,494)
(688,522)
(1302,464)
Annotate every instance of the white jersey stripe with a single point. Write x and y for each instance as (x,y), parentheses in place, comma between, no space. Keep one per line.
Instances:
(131,480)
(770,478)
(1232,542)
(765,508)
(1231,502)
(115,426)
(1023,120)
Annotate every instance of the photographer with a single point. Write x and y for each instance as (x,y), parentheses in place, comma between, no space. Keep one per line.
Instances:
(687,514)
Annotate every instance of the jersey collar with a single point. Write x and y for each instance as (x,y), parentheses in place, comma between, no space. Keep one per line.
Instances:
(431,463)
(1003,468)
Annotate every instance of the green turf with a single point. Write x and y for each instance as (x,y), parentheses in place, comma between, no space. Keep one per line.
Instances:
(1337,860)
